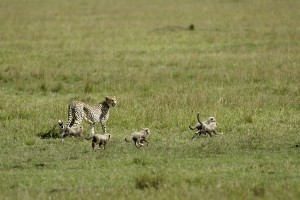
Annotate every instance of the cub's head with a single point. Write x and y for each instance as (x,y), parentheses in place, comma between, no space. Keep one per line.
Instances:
(111,101)
(146,131)
(108,136)
(210,120)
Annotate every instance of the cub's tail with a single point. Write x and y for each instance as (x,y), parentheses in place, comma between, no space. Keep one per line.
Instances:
(89,137)
(61,124)
(198,118)
(198,126)
(128,140)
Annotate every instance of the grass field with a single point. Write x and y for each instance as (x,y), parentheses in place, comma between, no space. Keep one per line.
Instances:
(240,64)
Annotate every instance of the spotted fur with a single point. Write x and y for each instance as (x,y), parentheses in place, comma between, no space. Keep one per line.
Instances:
(79,111)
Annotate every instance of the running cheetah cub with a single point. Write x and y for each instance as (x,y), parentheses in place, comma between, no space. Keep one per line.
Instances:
(76,130)
(206,127)
(99,139)
(139,137)
(78,111)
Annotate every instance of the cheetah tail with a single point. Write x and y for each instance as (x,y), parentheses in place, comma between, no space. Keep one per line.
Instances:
(61,124)
(89,137)
(198,118)
(127,140)
(192,128)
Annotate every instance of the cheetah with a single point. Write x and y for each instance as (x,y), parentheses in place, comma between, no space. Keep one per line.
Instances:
(99,139)
(139,137)
(206,127)
(77,111)
(76,130)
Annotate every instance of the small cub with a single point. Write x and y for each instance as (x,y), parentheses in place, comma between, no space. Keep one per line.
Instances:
(99,139)
(76,130)
(139,137)
(206,127)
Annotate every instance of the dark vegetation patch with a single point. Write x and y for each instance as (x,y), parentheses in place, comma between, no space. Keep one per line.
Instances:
(55,190)
(147,181)
(258,191)
(30,142)
(191,27)
(17,167)
(40,165)
(139,161)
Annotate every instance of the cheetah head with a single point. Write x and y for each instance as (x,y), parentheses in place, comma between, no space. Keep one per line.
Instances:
(146,131)
(211,119)
(111,101)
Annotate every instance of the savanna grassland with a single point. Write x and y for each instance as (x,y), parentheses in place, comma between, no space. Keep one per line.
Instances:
(240,64)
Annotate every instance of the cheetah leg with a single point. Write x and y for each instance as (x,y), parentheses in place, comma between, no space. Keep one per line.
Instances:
(70,123)
(215,132)
(91,123)
(208,133)
(100,144)
(93,128)
(137,144)
(87,120)
(62,134)
(93,145)
(103,125)
(140,143)
(145,140)
(196,134)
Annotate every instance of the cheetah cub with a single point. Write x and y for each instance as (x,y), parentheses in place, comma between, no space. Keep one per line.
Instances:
(99,139)
(76,130)
(139,137)
(207,127)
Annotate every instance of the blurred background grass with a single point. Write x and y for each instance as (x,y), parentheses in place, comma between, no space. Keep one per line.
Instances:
(239,64)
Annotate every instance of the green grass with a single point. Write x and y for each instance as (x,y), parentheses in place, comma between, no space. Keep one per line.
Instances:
(241,65)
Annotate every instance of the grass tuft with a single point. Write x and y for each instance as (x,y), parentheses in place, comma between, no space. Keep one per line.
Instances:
(30,142)
(248,118)
(88,87)
(258,191)
(139,161)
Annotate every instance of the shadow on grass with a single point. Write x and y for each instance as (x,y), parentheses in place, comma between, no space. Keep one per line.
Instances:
(54,132)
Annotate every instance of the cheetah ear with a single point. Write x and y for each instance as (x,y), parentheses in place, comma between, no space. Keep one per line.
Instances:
(109,136)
